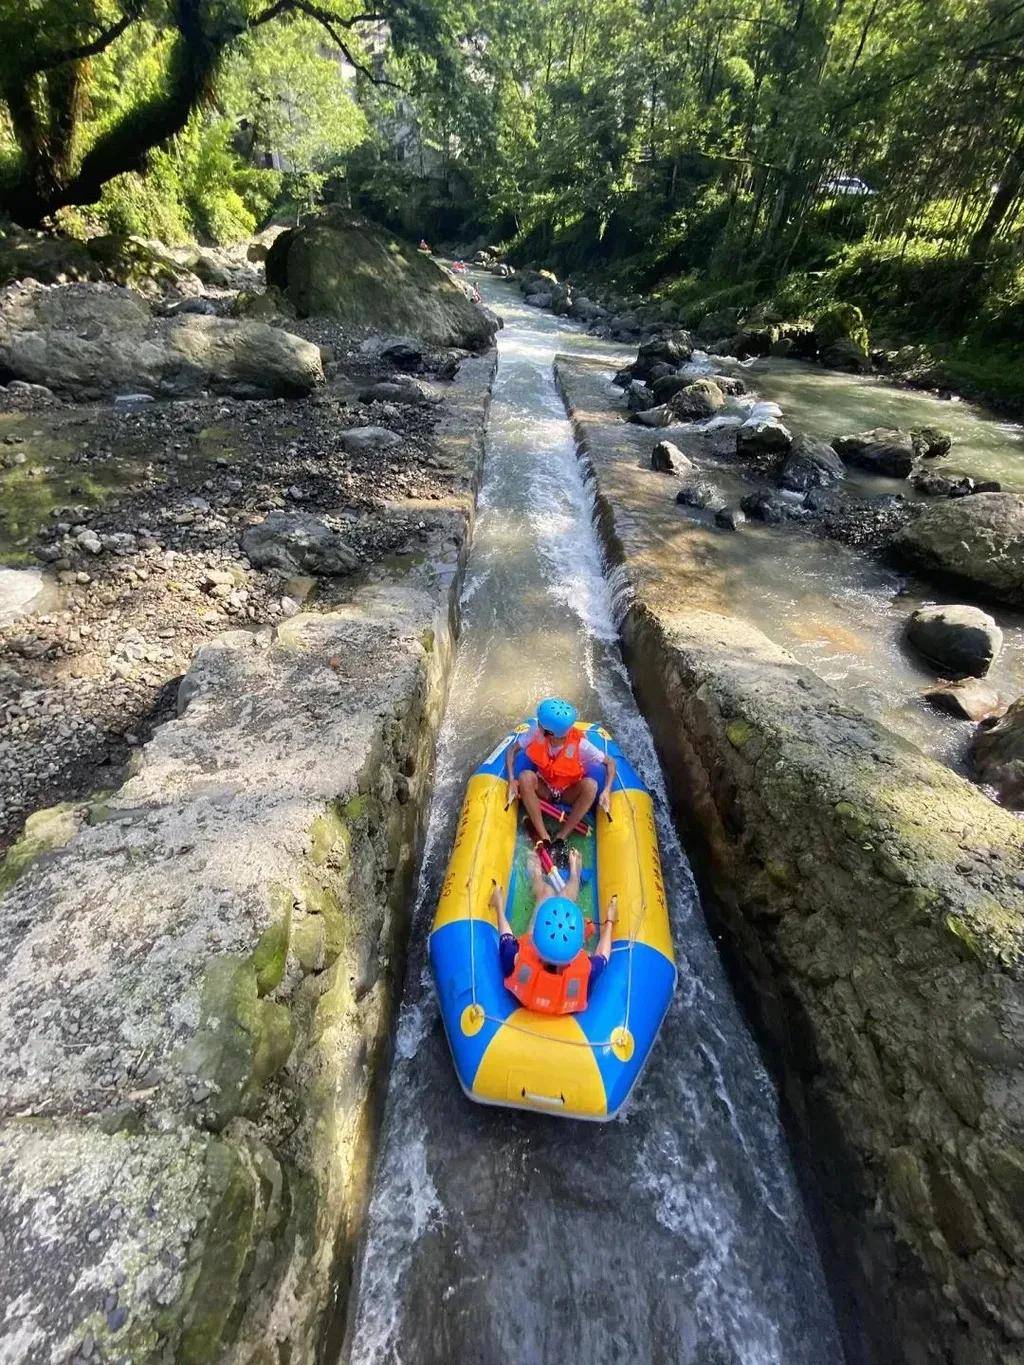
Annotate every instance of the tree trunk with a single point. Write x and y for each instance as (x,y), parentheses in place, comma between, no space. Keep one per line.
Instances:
(1011,181)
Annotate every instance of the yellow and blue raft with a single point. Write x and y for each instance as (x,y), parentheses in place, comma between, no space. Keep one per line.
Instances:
(579,1065)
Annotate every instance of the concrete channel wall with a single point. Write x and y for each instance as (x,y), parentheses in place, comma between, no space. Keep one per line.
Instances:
(873,907)
(197,976)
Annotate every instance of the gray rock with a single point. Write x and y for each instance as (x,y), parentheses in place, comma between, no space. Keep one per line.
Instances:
(360,440)
(729,518)
(959,640)
(95,340)
(671,350)
(931,442)
(539,300)
(998,756)
(764,506)
(638,396)
(845,354)
(408,391)
(698,493)
(762,436)
(696,401)
(978,540)
(883,450)
(667,458)
(967,699)
(731,384)
(297,543)
(654,417)
(810,464)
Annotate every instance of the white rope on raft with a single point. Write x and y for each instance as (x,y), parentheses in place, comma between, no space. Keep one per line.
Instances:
(634,928)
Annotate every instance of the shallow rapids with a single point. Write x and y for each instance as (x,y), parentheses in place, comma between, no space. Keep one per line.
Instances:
(675,1234)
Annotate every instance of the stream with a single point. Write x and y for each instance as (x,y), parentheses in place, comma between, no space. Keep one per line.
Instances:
(676,1233)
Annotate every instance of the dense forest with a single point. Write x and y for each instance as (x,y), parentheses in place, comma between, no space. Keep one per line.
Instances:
(727,152)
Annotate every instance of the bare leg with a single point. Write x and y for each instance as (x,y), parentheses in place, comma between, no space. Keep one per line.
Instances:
(540,888)
(531,791)
(582,796)
(572,886)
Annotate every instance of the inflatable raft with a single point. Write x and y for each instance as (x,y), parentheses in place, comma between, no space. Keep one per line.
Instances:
(577,1065)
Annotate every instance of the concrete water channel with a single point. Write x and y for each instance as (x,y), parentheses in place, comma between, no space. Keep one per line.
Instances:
(678,1233)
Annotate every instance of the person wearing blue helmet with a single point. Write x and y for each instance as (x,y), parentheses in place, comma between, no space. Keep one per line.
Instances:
(560,766)
(548,970)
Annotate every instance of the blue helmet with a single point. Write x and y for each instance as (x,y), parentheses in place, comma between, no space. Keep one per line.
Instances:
(558,930)
(556,715)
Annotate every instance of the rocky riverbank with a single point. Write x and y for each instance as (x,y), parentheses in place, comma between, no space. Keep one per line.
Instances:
(871,903)
(201,966)
(201,939)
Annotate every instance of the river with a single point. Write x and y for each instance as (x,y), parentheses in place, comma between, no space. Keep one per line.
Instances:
(677,1233)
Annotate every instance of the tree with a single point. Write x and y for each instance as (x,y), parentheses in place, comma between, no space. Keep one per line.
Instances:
(47,48)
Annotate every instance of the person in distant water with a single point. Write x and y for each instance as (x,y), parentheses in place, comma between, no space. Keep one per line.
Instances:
(424,244)
(561,763)
(548,970)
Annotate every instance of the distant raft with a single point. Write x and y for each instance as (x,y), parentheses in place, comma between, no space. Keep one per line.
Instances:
(576,1065)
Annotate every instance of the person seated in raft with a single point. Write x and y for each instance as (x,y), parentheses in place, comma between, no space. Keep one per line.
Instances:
(561,764)
(548,970)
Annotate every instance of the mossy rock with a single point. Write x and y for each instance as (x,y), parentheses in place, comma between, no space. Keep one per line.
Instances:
(266,307)
(842,322)
(44,831)
(373,281)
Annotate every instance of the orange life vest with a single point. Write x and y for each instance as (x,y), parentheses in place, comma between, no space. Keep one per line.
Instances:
(547,992)
(559,770)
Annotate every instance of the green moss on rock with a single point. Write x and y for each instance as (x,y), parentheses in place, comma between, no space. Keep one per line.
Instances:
(44,831)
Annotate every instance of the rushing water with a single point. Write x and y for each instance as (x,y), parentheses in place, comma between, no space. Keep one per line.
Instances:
(675,1234)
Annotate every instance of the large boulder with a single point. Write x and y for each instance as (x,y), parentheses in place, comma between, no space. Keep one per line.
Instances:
(91,341)
(701,399)
(372,281)
(977,540)
(810,464)
(883,450)
(961,641)
(248,359)
(297,543)
(998,756)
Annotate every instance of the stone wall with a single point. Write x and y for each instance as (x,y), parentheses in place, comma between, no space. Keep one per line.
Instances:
(197,975)
(872,905)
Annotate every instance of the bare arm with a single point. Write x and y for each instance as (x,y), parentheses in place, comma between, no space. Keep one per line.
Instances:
(510,758)
(609,777)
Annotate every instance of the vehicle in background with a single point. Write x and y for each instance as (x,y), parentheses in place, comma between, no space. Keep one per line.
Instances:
(845,184)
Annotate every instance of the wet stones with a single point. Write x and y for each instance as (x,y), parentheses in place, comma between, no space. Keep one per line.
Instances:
(765,506)
(931,442)
(886,451)
(667,458)
(810,464)
(729,518)
(963,641)
(998,756)
(697,401)
(978,540)
(762,436)
(966,699)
